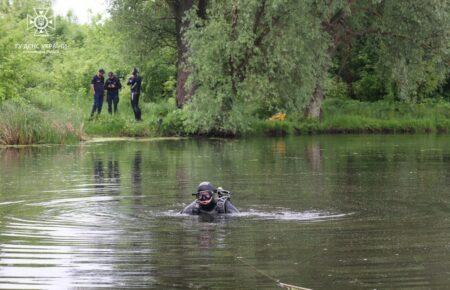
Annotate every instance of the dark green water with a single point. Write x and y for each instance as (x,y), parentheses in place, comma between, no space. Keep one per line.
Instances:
(327,212)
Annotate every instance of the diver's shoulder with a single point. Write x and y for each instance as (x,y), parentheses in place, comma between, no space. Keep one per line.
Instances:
(229,207)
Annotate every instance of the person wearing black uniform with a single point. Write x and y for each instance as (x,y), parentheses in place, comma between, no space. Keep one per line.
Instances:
(98,86)
(135,82)
(112,86)
(208,203)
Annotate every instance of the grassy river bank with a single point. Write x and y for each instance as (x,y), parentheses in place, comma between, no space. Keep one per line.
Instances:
(37,122)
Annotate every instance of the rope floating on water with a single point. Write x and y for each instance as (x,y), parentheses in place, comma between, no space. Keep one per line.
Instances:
(291,287)
(280,284)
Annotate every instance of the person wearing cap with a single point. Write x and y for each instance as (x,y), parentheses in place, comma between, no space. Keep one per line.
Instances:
(210,200)
(112,86)
(135,82)
(98,86)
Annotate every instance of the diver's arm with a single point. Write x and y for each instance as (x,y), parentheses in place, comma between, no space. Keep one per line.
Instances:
(190,208)
(229,207)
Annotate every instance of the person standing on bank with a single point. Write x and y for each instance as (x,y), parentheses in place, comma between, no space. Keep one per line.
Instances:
(135,82)
(112,85)
(98,86)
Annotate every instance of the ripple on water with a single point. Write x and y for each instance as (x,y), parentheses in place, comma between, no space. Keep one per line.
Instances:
(11,202)
(92,199)
(263,215)
(291,215)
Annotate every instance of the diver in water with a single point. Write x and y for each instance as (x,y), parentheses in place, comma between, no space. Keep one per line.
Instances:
(210,200)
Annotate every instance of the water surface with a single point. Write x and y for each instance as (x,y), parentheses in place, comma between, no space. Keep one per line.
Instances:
(326,212)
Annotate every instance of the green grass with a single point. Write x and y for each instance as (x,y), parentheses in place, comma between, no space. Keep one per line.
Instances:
(24,124)
(158,119)
(47,119)
(118,125)
(349,116)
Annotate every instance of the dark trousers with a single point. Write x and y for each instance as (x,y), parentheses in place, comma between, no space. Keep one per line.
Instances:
(98,103)
(135,105)
(113,99)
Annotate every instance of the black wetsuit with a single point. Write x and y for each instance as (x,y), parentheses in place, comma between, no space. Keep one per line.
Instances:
(135,83)
(220,206)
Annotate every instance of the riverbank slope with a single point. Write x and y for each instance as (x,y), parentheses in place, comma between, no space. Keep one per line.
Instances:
(34,123)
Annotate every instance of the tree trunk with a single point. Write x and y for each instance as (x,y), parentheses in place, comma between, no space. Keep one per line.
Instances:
(233,37)
(334,27)
(314,108)
(180,7)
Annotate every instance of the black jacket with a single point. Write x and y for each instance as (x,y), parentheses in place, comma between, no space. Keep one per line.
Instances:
(99,85)
(113,85)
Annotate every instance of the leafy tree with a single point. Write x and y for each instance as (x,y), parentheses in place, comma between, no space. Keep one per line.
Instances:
(275,49)
(410,38)
(251,58)
(231,64)
(18,69)
(154,29)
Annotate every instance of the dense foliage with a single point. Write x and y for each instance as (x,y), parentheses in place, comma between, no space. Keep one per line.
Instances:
(213,67)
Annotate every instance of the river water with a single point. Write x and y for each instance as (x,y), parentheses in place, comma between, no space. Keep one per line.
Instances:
(323,212)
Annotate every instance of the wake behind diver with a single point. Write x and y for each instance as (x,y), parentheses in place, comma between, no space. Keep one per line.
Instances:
(210,200)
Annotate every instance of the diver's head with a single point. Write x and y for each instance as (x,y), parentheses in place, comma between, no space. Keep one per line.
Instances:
(205,193)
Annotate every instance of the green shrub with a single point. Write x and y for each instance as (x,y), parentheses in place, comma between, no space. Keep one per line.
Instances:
(173,123)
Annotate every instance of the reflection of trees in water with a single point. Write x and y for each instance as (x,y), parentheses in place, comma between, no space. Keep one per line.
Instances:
(446,161)
(208,236)
(190,252)
(10,156)
(313,153)
(317,175)
(396,190)
(354,179)
(28,169)
(9,163)
(182,178)
(383,176)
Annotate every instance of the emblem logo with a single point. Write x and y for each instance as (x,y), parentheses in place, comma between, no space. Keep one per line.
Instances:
(41,21)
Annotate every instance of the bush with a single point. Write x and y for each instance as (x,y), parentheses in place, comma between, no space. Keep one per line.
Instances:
(173,123)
